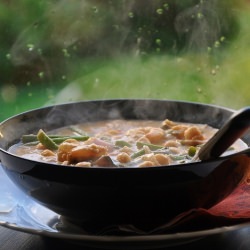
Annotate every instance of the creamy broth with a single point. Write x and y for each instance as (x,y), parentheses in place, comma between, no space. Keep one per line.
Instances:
(119,143)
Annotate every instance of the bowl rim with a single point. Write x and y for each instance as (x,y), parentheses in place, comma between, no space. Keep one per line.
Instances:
(48,107)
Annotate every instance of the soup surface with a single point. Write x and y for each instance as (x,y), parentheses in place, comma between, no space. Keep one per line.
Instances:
(119,143)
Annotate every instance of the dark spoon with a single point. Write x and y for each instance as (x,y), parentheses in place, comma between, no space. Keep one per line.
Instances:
(233,129)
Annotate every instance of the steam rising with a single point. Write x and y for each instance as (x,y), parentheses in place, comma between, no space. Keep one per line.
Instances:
(202,25)
(116,49)
(97,25)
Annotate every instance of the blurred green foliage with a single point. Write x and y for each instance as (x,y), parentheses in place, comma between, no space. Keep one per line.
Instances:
(15,17)
(54,51)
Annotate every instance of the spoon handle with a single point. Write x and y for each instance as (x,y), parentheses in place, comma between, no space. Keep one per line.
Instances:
(234,128)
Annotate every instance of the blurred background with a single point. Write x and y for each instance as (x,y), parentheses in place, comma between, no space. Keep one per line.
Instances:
(57,51)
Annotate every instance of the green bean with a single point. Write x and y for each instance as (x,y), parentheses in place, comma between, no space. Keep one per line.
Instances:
(151,146)
(77,130)
(32,139)
(178,157)
(46,141)
(138,154)
(59,140)
(122,143)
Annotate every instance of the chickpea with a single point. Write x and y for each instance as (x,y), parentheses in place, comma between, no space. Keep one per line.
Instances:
(73,141)
(144,139)
(193,133)
(162,159)
(83,164)
(150,157)
(40,146)
(178,131)
(126,149)
(137,133)
(174,150)
(65,163)
(123,157)
(172,143)
(47,153)
(167,124)
(146,164)
(157,159)
(155,135)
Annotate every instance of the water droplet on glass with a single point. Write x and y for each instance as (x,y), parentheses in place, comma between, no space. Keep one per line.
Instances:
(158,42)
(213,72)
(8,56)
(209,49)
(199,15)
(130,14)
(217,44)
(65,53)
(159,11)
(41,74)
(222,39)
(95,9)
(166,6)
(30,47)
(199,90)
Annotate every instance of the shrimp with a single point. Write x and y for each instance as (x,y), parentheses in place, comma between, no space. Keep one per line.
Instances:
(76,152)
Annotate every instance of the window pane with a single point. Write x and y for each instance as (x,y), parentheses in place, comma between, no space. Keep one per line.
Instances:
(58,51)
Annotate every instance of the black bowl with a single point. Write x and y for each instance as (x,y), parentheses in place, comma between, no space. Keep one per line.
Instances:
(144,197)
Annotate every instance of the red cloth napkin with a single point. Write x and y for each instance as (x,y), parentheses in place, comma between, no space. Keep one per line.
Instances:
(234,209)
(236,205)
